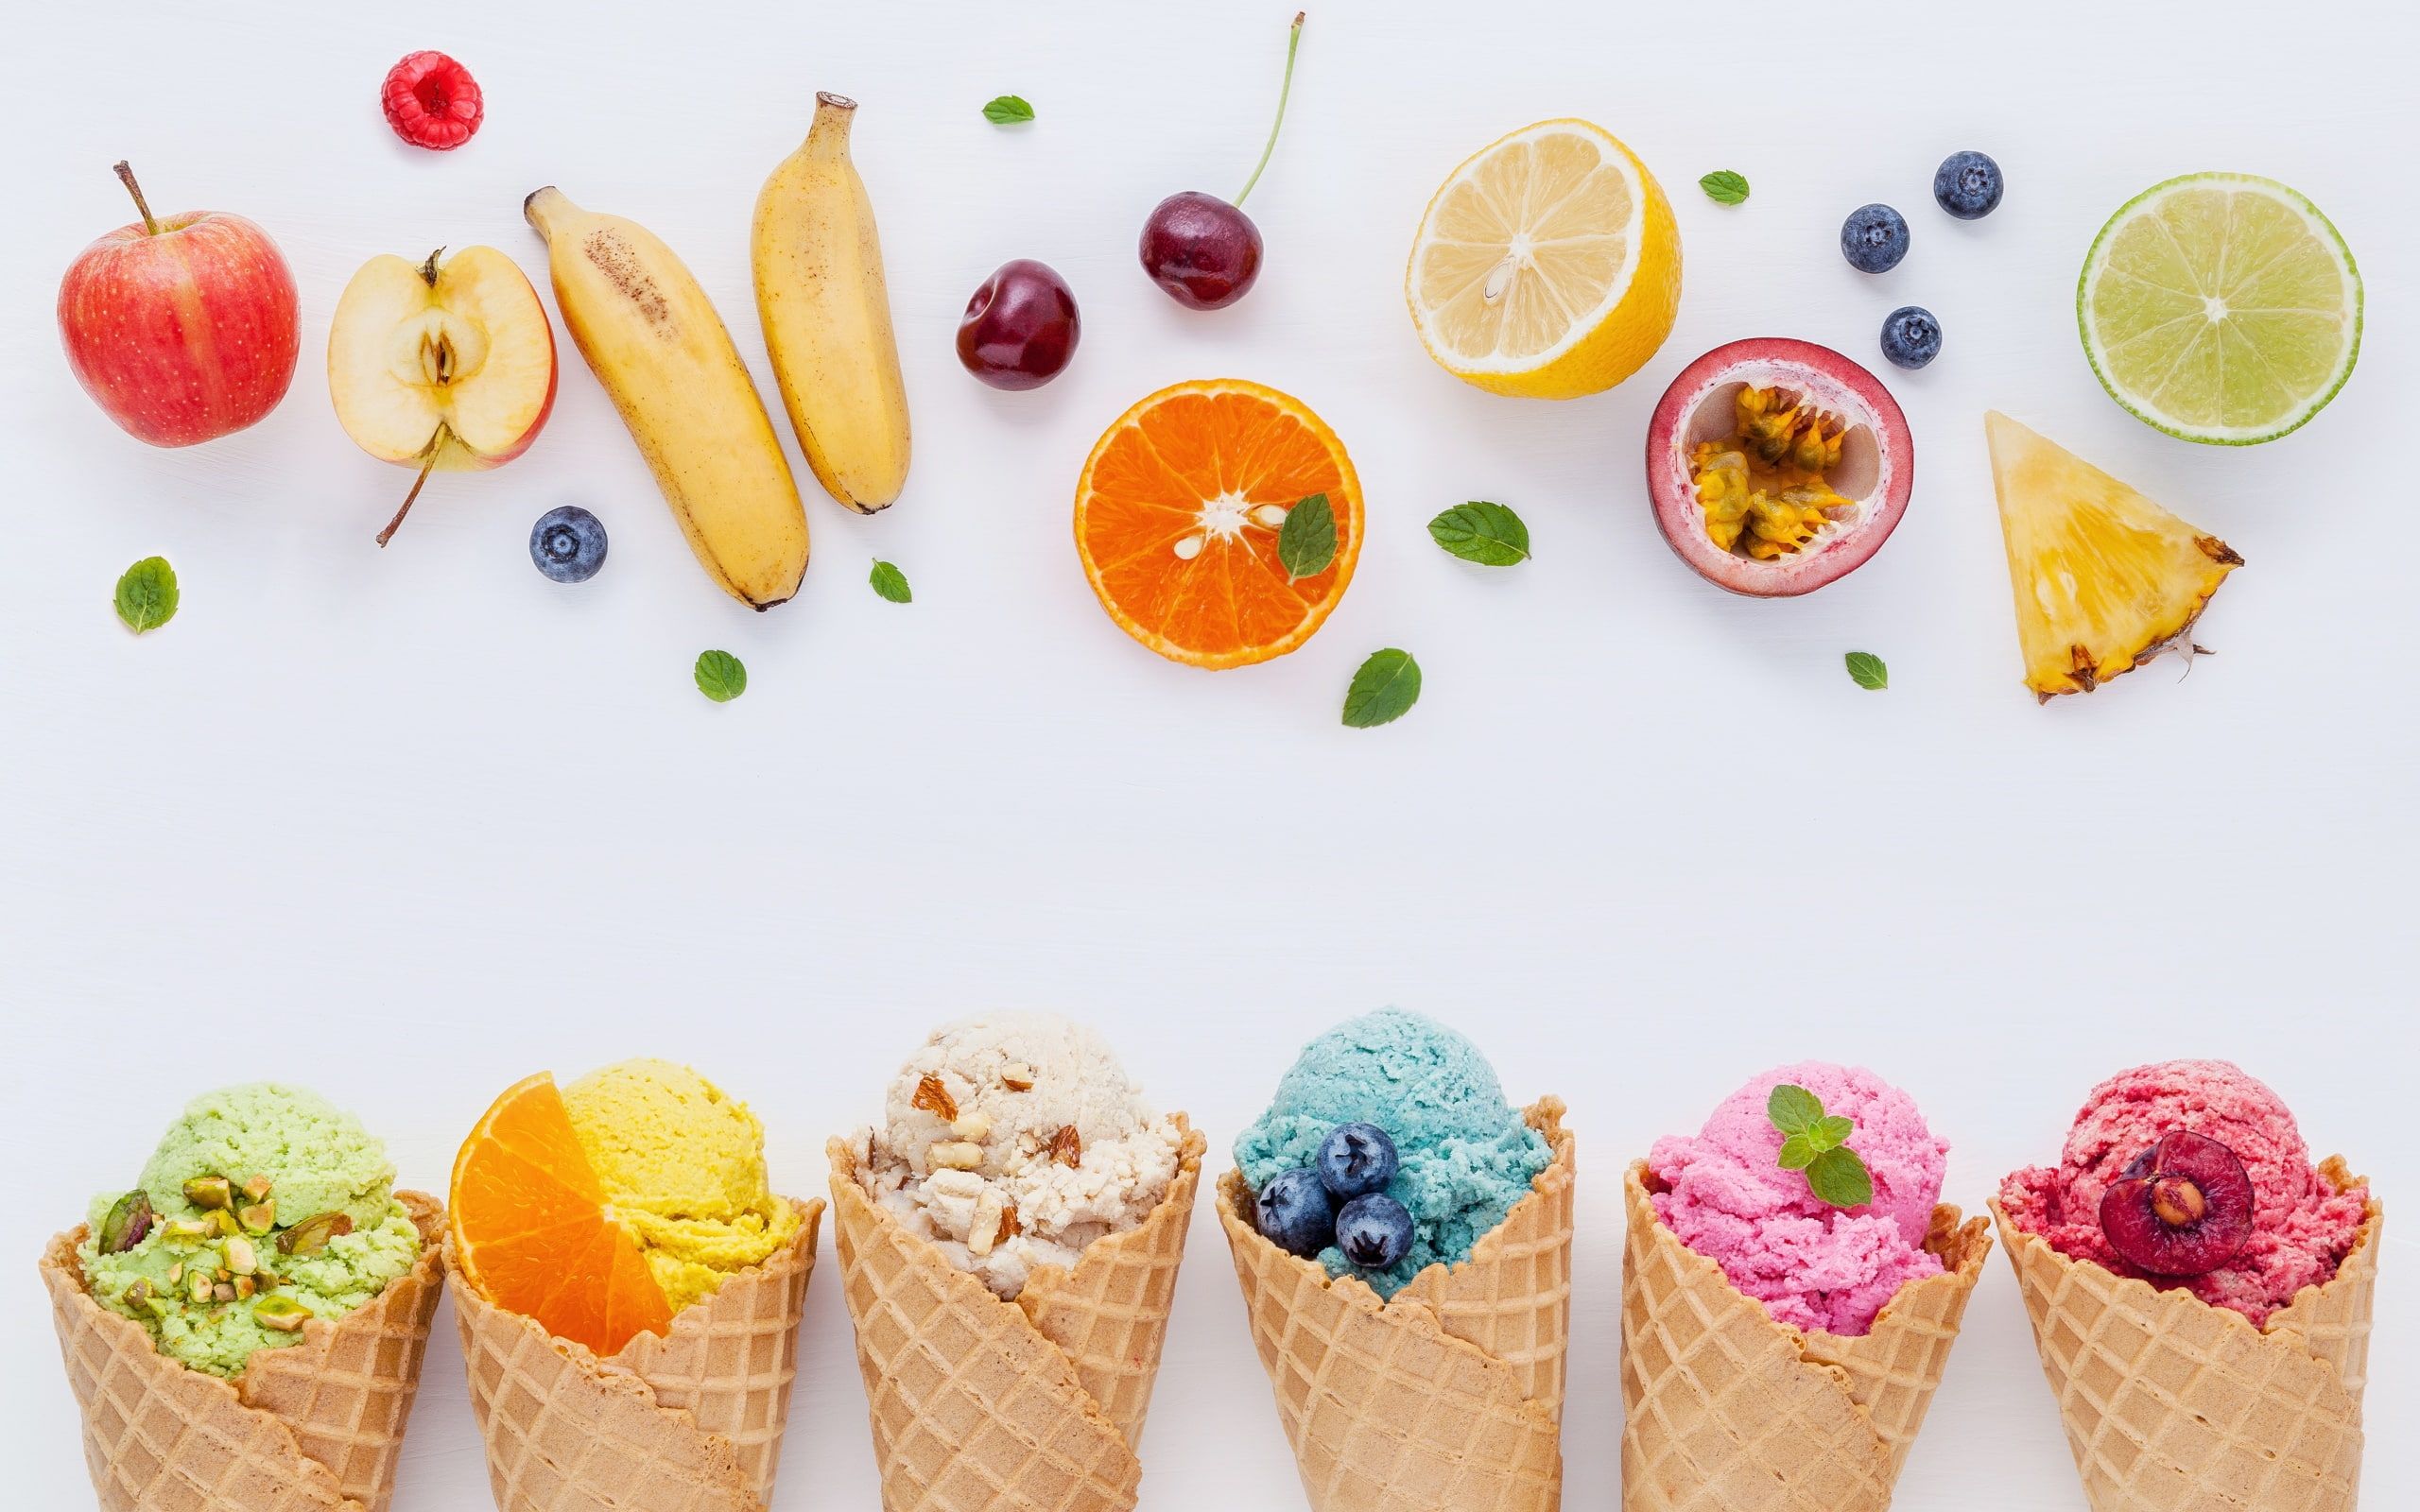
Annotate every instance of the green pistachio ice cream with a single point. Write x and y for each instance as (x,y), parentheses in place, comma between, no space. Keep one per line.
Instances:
(267,1207)
(1467,1154)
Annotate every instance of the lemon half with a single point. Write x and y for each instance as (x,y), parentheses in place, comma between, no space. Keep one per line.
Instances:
(1547,267)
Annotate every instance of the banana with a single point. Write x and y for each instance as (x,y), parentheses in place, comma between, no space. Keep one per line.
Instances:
(826,310)
(656,344)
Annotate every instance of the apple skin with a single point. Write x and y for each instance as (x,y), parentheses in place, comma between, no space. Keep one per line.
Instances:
(183,335)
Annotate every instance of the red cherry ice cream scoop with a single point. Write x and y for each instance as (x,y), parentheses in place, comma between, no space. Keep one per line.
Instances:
(2192,1173)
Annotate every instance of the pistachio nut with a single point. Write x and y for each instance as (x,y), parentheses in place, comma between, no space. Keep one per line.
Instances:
(281,1313)
(210,1192)
(241,1258)
(129,1221)
(257,1217)
(312,1235)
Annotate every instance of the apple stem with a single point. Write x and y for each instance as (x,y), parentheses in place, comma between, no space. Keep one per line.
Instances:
(436,449)
(126,176)
(428,269)
(1293,42)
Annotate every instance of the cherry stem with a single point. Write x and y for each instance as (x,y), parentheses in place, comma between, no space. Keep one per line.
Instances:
(1293,43)
(151,226)
(436,449)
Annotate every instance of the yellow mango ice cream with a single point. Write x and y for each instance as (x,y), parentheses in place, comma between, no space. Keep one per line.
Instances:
(683,1166)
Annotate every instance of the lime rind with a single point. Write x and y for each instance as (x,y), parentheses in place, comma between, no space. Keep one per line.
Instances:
(2319,394)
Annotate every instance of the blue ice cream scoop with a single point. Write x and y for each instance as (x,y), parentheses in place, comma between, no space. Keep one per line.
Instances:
(1465,1156)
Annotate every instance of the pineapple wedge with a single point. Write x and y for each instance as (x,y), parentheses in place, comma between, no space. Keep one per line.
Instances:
(2105,580)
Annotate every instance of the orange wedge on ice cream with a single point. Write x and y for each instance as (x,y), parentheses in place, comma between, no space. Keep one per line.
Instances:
(533,1233)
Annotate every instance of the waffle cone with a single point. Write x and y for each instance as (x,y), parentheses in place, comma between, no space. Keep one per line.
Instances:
(2174,1406)
(984,1405)
(1725,1410)
(315,1425)
(1447,1398)
(686,1421)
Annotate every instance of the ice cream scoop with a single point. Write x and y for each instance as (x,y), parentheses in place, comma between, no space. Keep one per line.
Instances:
(1729,1194)
(683,1165)
(1463,1155)
(2298,1227)
(263,1207)
(1013,1141)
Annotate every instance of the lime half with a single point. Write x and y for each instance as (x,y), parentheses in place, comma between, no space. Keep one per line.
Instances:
(2221,307)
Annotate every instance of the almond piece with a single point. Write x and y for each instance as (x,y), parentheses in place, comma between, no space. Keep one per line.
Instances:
(1009,1224)
(984,1232)
(1017,1076)
(954,1154)
(935,1099)
(1067,1147)
(972,1126)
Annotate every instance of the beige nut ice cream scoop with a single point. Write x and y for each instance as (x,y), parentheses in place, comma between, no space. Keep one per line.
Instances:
(1011,1141)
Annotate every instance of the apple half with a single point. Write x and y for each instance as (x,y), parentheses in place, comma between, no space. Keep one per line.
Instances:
(446,363)
(1873,475)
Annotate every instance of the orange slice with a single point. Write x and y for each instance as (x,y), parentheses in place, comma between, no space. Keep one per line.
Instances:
(1178,512)
(532,1232)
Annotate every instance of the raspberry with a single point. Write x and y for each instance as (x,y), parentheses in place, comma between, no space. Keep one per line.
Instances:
(432,101)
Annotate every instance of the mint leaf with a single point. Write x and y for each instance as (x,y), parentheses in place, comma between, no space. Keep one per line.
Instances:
(147,595)
(720,676)
(1007,110)
(1867,671)
(1833,1132)
(1306,542)
(890,583)
(1388,684)
(1486,533)
(1839,1177)
(1724,187)
(1793,1109)
(1798,1152)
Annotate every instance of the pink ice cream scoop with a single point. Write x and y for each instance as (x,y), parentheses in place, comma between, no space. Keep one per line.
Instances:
(2302,1226)
(1726,1194)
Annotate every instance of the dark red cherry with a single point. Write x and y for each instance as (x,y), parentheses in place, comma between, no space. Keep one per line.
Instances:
(1021,326)
(2184,1208)
(1204,250)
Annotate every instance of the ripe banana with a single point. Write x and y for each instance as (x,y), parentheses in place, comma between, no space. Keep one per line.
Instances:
(827,316)
(657,345)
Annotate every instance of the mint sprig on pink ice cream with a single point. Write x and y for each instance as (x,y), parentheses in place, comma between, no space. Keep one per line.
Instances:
(1730,1195)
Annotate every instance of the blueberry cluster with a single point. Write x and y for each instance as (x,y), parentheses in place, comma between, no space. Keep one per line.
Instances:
(1874,238)
(1340,1199)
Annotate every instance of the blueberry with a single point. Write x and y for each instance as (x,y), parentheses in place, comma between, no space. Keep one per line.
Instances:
(1356,1160)
(1873,238)
(1911,336)
(1375,1233)
(1968,185)
(568,544)
(1294,1213)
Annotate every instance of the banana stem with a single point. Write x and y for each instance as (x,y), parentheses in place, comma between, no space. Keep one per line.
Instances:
(436,449)
(126,176)
(1293,44)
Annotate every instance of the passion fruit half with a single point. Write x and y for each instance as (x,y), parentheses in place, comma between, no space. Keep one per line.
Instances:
(1776,466)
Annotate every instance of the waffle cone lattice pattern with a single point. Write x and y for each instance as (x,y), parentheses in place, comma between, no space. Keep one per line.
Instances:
(2174,1406)
(688,1421)
(316,1425)
(1727,1410)
(983,1405)
(1447,1398)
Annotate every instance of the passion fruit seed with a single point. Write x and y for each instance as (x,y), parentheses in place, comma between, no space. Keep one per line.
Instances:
(1763,492)
(129,1219)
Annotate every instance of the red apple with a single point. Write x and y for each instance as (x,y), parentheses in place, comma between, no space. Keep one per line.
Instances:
(447,363)
(183,329)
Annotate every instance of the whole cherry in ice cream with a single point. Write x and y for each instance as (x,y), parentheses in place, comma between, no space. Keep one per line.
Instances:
(2182,1208)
